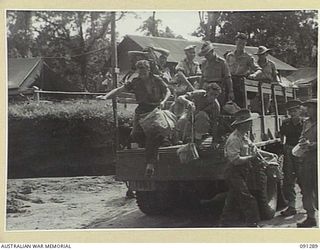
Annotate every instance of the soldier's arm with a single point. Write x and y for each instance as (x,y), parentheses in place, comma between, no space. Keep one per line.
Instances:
(275,73)
(162,51)
(112,93)
(228,81)
(184,79)
(254,67)
(233,153)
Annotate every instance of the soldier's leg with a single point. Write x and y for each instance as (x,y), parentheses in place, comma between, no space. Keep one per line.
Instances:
(241,199)
(308,188)
(230,214)
(247,202)
(180,129)
(289,181)
(137,134)
(201,124)
(238,88)
(153,142)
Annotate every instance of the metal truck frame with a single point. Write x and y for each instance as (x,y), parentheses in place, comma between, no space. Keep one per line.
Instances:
(203,178)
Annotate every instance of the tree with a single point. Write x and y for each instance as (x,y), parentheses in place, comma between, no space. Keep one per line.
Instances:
(75,44)
(208,25)
(290,34)
(19,33)
(151,25)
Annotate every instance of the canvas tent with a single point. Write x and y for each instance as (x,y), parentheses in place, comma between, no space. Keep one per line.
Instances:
(176,46)
(23,73)
(306,79)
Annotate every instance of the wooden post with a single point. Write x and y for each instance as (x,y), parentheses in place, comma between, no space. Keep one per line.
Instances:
(262,110)
(245,96)
(115,71)
(275,103)
(294,93)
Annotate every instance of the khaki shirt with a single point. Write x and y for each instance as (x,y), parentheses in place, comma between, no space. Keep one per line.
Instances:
(147,91)
(241,64)
(189,68)
(309,132)
(237,145)
(269,71)
(203,103)
(215,70)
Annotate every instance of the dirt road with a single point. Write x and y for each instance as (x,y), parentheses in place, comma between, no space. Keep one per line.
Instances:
(99,203)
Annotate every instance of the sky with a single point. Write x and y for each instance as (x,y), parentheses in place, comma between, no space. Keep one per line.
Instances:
(181,23)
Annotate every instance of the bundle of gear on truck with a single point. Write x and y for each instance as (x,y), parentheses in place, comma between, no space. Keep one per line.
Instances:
(195,127)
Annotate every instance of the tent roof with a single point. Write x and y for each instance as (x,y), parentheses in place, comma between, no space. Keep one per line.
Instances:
(303,75)
(176,46)
(20,69)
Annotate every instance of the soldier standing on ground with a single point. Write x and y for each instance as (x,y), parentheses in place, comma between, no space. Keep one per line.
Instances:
(239,153)
(241,65)
(290,132)
(309,171)
(215,69)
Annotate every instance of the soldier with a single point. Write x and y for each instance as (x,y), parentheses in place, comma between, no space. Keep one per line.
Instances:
(215,69)
(151,92)
(182,82)
(269,72)
(206,109)
(241,65)
(188,67)
(309,171)
(239,153)
(290,132)
(161,61)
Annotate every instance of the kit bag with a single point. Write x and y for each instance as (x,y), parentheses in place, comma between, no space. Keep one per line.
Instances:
(158,121)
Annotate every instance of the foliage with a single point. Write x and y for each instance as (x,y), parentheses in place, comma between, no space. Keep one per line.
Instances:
(292,35)
(151,25)
(76,109)
(75,44)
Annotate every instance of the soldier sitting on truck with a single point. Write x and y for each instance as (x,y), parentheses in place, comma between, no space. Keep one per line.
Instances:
(151,92)
(206,108)
(181,82)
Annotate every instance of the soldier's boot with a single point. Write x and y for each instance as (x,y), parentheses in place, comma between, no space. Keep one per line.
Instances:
(309,222)
(288,212)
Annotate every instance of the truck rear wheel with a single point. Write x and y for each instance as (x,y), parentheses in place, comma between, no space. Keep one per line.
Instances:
(155,202)
(266,194)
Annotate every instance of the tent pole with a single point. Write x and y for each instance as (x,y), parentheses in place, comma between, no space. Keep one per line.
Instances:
(115,71)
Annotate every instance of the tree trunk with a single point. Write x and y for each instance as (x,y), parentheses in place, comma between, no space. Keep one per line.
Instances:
(83,58)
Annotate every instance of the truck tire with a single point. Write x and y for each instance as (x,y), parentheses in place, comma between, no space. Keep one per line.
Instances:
(155,202)
(266,194)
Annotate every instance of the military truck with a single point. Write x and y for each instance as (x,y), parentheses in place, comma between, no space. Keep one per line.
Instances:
(203,179)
